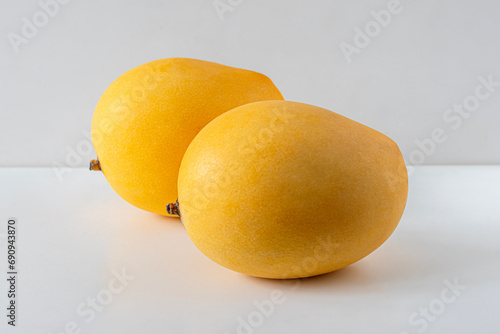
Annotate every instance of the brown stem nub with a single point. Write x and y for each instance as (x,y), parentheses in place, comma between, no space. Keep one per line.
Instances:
(173,209)
(95,165)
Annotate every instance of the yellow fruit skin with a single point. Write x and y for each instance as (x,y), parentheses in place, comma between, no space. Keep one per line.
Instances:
(145,120)
(281,189)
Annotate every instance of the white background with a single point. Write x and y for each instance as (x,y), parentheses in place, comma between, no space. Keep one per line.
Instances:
(428,58)
(74,234)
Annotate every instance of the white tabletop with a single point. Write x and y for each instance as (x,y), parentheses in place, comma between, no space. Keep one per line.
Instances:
(76,236)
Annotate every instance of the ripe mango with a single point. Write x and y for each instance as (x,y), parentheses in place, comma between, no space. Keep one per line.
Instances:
(281,189)
(145,120)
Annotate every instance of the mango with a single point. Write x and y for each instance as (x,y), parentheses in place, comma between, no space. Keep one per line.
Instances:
(145,120)
(281,189)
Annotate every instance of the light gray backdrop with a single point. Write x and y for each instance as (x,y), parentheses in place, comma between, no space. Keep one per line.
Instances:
(426,73)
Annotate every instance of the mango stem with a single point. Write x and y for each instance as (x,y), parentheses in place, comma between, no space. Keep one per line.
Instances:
(95,165)
(173,209)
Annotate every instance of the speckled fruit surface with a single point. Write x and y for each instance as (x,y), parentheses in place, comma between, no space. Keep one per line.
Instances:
(146,119)
(281,189)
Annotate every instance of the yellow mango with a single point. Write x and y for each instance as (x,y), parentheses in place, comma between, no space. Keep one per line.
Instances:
(145,120)
(282,189)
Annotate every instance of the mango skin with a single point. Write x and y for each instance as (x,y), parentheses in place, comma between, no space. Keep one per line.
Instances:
(281,189)
(145,120)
